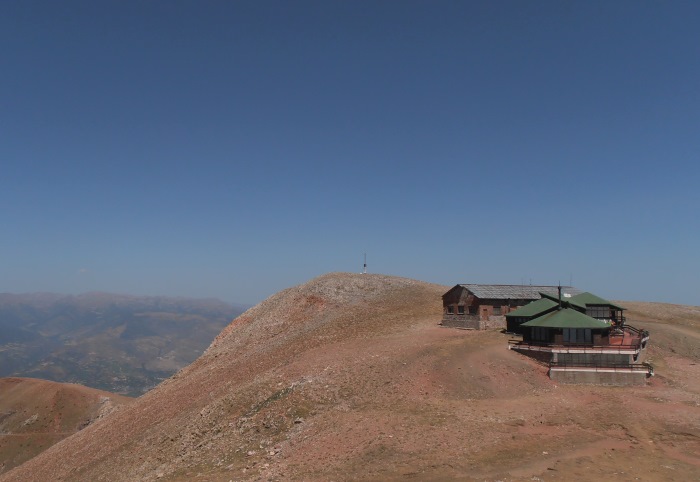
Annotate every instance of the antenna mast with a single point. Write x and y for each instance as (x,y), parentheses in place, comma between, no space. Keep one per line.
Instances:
(364,266)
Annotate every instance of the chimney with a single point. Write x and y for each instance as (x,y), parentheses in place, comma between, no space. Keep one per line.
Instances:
(559,289)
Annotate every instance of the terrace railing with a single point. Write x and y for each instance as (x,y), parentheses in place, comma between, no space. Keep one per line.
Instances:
(625,349)
(637,342)
(545,346)
(648,368)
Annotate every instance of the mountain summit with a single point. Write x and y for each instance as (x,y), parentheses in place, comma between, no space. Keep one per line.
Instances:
(350,376)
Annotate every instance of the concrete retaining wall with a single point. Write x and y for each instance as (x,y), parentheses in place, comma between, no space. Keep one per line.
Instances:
(601,359)
(599,377)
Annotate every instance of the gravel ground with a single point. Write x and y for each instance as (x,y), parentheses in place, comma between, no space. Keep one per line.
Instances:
(350,377)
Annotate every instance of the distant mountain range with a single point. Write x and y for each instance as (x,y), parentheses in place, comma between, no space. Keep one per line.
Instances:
(123,344)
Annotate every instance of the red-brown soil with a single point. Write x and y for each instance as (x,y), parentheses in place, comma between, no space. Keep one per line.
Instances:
(351,377)
(35,414)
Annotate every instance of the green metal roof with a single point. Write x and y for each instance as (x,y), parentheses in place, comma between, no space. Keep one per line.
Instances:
(566,318)
(533,308)
(587,298)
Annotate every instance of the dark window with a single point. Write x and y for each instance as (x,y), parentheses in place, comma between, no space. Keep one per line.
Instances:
(496,310)
(539,333)
(472,310)
(460,310)
(578,335)
(450,310)
(599,312)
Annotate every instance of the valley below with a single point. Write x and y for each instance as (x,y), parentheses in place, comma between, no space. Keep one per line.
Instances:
(122,344)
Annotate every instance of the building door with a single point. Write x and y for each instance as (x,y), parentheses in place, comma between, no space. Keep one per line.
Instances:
(485,314)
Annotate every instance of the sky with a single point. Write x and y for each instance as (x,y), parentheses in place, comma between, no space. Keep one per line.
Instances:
(233,149)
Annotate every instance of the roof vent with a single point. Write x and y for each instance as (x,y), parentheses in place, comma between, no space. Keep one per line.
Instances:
(559,289)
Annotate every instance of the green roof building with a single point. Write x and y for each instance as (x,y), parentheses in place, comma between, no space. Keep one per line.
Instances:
(581,348)
(532,310)
(586,303)
(567,318)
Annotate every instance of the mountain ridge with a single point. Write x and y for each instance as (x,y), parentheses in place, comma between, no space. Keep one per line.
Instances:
(35,414)
(351,376)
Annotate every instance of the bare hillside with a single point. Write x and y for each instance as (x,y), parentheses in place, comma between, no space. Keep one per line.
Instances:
(35,414)
(351,377)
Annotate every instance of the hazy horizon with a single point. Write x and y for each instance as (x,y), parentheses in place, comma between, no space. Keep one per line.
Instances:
(234,149)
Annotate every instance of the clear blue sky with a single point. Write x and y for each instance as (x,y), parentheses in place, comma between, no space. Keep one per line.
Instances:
(232,149)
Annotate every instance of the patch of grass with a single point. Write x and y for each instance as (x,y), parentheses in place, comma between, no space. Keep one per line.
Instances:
(278,395)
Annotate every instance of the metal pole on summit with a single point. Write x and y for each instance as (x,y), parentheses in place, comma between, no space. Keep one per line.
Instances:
(364,266)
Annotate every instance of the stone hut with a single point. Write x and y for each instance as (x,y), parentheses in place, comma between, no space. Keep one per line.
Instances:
(479,306)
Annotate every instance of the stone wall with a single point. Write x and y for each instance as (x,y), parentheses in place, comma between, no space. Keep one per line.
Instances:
(461,321)
(494,323)
(472,322)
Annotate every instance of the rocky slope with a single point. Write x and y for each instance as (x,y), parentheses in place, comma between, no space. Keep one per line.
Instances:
(351,377)
(35,414)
